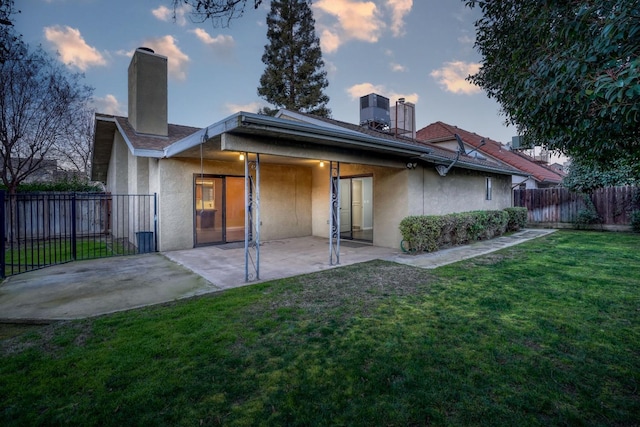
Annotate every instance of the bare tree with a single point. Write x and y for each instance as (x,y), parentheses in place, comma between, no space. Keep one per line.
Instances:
(40,102)
(216,11)
(74,153)
(8,37)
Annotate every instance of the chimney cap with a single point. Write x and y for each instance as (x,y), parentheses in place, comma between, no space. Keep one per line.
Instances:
(146,49)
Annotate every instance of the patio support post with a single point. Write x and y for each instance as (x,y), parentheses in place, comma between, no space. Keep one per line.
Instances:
(334,213)
(252,218)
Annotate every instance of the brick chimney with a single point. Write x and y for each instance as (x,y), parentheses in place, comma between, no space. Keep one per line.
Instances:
(148,92)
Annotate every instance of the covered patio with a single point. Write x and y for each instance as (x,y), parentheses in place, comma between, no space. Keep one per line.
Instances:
(224,265)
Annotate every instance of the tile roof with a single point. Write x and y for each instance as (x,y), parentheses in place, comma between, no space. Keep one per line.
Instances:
(440,132)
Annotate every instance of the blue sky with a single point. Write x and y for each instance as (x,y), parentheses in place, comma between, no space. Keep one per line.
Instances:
(417,49)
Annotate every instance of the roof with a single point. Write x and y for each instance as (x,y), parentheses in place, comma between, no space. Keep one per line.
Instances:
(436,155)
(440,132)
(139,144)
(292,127)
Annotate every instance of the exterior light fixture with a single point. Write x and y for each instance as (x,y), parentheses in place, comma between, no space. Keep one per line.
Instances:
(321,164)
(241,156)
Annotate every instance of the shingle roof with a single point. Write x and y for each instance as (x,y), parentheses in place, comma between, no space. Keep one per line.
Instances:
(440,132)
(150,142)
(142,145)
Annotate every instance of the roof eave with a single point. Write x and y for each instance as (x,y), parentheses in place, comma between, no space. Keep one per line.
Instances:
(138,152)
(438,160)
(242,122)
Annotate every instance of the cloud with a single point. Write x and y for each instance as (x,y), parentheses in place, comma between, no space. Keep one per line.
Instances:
(74,51)
(330,68)
(163,13)
(177,60)
(362,89)
(399,68)
(329,41)
(221,43)
(108,105)
(452,77)
(355,20)
(251,107)
(399,8)
(466,39)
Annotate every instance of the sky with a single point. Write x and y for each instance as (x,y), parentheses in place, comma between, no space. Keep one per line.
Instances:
(420,50)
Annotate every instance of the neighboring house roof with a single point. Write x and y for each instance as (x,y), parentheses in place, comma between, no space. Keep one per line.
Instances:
(292,127)
(440,132)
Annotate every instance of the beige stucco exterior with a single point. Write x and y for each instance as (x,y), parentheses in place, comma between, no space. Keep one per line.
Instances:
(285,192)
(142,154)
(294,199)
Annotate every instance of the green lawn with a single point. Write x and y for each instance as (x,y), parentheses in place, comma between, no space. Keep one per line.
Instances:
(545,333)
(26,257)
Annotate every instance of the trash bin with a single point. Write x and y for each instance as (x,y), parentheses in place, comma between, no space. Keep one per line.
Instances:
(145,241)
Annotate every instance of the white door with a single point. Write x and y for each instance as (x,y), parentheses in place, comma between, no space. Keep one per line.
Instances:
(345,206)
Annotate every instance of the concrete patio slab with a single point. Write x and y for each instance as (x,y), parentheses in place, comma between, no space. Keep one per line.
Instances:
(90,288)
(225,267)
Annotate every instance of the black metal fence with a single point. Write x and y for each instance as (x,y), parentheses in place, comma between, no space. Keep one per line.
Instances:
(42,229)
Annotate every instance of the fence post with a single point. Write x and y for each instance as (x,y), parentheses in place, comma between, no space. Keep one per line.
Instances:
(74,247)
(155,222)
(2,234)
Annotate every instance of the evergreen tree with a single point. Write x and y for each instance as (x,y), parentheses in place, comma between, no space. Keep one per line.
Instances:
(294,77)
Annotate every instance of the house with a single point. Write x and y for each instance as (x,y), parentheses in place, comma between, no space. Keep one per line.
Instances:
(251,176)
(533,173)
(45,171)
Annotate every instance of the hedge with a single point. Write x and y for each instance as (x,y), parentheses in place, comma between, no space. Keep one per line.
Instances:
(429,233)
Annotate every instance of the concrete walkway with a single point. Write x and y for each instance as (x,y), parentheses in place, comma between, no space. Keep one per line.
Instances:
(90,288)
(459,253)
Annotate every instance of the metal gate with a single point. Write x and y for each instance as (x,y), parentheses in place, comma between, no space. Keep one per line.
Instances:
(42,229)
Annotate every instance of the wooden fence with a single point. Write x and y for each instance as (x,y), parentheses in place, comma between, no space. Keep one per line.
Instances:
(561,206)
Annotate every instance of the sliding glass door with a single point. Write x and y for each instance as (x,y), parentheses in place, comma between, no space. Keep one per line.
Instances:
(218,209)
(356,208)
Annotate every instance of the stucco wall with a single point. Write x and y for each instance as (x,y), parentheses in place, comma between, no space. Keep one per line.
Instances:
(118,172)
(285,197)
(390,199)
(285,194)
(460,191)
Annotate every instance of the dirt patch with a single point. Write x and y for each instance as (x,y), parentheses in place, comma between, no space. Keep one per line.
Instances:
(50,338)
(353,289)
(10,330)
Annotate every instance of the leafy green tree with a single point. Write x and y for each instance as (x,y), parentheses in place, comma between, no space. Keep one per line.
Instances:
(585,177)
(216,11)
(565,72)
(294,76)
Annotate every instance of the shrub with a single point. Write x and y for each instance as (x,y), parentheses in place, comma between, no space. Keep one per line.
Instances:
(421,232)
(72,185)
(430,232)
(587,215)
(518,217)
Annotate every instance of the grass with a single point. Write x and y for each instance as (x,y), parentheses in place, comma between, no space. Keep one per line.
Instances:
(545,333)
(25,257)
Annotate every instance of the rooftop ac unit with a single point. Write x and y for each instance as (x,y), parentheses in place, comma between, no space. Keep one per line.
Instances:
(374,111)
(516,142)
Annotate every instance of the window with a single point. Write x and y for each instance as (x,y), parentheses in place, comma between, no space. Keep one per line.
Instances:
(488,189)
